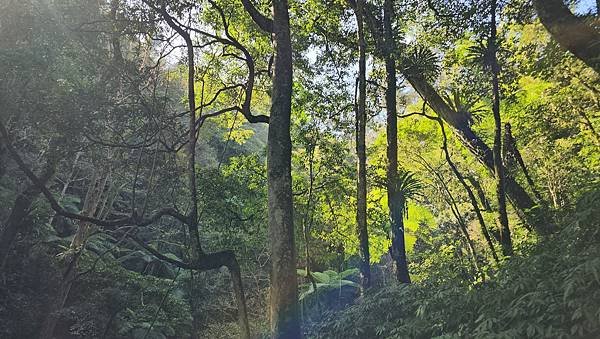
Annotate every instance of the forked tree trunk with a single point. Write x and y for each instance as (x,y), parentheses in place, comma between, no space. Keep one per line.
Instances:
(361,125)
(285,315)
(202,261)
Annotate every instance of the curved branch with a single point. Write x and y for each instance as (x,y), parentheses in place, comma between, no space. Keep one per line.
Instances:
(266,24)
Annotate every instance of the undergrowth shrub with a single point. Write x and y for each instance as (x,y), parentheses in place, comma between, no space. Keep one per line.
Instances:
(553,292)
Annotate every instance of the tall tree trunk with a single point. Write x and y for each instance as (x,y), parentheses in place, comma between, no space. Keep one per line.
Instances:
(505,237)
(517,195)
(308,217)
(395,205)
(285,317)
(240,298)
(361,126)
(571,32)
(202,260)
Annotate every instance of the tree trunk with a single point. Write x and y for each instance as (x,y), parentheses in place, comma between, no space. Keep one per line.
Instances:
(238,291)
(361,125)
(308,217)
(395,205)
(200,260)
(285,317)
(470,193)
(571,33)
(512,151)
(485,204)
(517,195)
(3,159)
(91,207)
(505,237)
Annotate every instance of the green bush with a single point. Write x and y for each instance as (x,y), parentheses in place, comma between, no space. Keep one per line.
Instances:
(554,292)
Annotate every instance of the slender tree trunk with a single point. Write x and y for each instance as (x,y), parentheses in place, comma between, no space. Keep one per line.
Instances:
(518,196)
(285,316)
(191,150)
(511,150)
(202,260)
(238,291)
(571,32)
(361,125)
(3,159)
(480,193)
(398,247)
(472,198)
(505,237)
(308,217)
(191,297)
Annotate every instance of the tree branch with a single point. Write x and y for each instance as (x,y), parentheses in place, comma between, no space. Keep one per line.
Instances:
(266,24)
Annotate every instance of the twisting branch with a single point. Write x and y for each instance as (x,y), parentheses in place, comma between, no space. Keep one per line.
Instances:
(228,40)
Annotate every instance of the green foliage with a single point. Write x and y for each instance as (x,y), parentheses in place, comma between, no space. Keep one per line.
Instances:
(420,61)
(542,295)
(325,282)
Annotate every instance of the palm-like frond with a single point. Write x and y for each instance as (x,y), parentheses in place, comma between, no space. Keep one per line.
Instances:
(420,61)
(480,54)
(407,184)
(461,104)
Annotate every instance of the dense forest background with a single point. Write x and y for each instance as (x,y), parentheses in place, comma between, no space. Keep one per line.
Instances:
(301,168)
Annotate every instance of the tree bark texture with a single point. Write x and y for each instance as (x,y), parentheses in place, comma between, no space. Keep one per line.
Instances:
(395,205)
(361,125)
(284,308)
